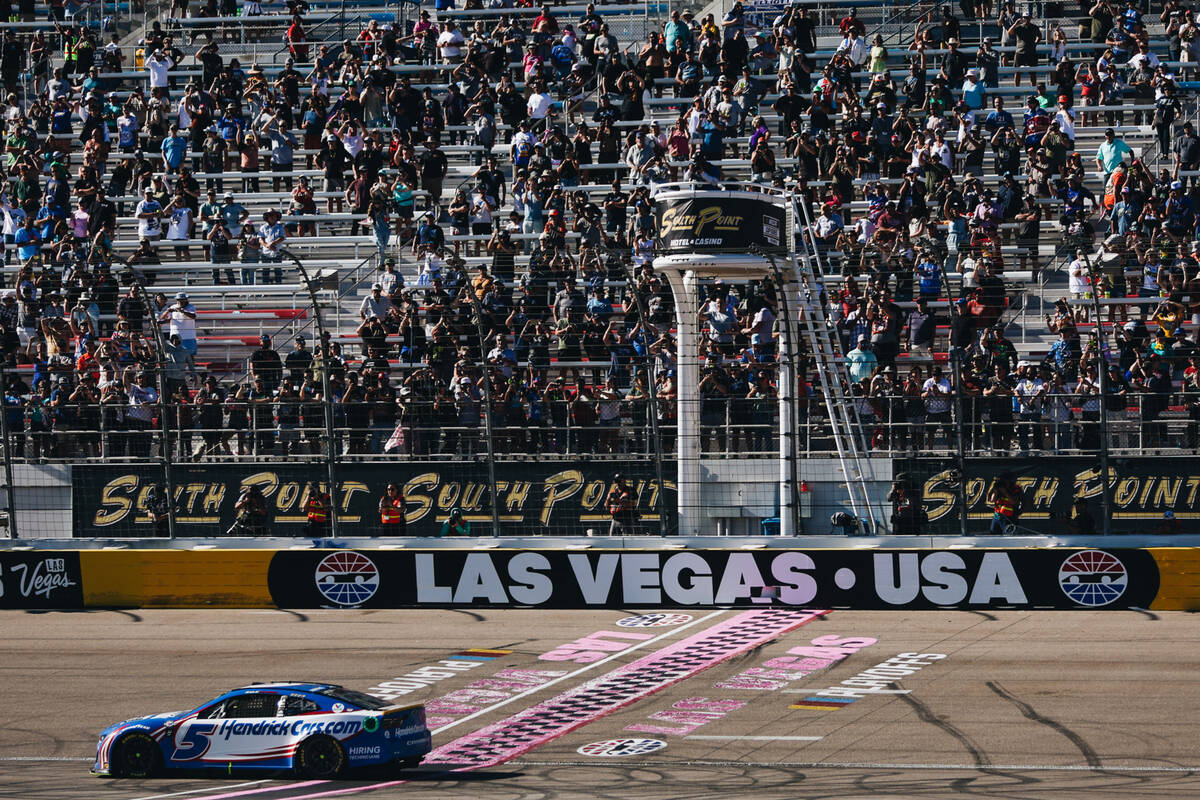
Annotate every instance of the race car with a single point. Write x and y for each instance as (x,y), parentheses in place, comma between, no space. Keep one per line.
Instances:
(317,729)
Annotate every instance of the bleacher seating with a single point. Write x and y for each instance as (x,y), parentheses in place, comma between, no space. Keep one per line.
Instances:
(339,235)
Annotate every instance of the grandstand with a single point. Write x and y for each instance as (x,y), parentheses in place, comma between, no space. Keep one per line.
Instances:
(337,245)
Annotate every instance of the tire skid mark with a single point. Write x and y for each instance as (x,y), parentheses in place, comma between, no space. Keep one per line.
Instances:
(1028,711)
(925,714)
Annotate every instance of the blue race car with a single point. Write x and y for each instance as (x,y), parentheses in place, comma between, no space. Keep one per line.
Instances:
(317,729)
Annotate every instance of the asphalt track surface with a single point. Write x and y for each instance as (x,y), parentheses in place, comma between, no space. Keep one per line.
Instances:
(1024,704)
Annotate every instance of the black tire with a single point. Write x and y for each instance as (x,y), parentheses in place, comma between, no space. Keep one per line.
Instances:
(136,755)
(320,757)
(410,763)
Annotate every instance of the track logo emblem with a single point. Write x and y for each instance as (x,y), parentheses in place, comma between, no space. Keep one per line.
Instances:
(347,578)
(618,748)
(654,620)
(1093,578)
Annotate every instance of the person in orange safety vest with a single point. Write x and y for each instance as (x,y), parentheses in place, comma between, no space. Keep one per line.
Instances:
(391,512)
(1005,500)
(316,508)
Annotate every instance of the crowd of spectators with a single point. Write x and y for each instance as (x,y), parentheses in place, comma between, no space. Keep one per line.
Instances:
(504,169)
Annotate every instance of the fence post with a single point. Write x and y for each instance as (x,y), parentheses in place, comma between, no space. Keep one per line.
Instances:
(8,474)
(960,431)
(477,311)
(163,410)
(1102,387)
(651,397)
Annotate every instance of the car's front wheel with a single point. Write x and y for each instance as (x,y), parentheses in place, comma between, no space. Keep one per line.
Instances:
(320,757)
(136,755)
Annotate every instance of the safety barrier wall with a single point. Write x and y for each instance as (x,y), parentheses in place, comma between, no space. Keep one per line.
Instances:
(991,578)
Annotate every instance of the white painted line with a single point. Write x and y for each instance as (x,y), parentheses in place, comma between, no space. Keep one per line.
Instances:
(208,789)
(45,758)
(709,738)
(580,671)
(866,766)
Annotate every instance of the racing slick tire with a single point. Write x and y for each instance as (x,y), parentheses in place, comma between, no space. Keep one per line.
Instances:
(136,755)
(409,763)
(320,757)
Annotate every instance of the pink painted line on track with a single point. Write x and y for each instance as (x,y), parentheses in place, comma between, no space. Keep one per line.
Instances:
(623,686)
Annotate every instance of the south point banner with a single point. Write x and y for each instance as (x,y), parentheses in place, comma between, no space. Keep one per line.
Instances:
(1142,491)
(544,497)
(716,222)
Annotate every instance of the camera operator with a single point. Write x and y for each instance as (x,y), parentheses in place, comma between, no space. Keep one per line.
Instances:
(251,508)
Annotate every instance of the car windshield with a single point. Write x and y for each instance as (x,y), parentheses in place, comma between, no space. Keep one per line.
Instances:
(355,698)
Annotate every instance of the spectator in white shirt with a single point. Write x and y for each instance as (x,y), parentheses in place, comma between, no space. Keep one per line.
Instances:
(854,47)
(1080,283)
(149,216)
(540,104)
(450,43)
(274,237)
(157,65)
(181,317)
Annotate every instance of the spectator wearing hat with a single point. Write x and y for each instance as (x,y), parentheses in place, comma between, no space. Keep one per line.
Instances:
(455,525)
(265,364)
(298,361)
(158,65)
(273,234)
(1025,37)
(139,415)
(149,214)
(1112,151)
(433,165)
(181,319)
(1186,152)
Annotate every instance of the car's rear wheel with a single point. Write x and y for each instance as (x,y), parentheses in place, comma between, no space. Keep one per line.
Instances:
(136,755)
(410,763)
(320,757)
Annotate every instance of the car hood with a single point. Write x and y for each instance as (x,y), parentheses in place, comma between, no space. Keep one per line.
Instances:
(149,723)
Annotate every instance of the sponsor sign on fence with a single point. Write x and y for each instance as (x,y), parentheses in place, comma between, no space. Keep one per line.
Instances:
(1062,579)
(1142,489)
(556,497)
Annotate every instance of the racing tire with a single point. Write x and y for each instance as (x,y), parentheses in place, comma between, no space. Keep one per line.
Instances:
(410,763)
(136,755)
(320,757)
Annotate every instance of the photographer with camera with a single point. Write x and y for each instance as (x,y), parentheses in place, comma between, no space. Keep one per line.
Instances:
(908,513)
(251,508)
(622,507)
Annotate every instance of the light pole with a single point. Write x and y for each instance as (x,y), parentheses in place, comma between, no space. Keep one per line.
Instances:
(326,342)
(161,346)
